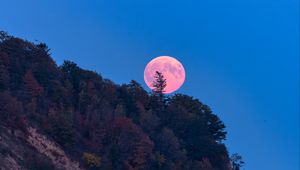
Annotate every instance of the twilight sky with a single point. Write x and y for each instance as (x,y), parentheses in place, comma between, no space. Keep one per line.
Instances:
(241,57)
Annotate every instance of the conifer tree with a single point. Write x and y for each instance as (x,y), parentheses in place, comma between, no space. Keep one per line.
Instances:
(159,84)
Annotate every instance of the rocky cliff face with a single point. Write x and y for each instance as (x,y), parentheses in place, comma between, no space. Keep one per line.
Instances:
(51,150)
(31,150)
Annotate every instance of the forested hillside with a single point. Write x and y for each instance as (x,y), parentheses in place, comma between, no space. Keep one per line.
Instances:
(90,122)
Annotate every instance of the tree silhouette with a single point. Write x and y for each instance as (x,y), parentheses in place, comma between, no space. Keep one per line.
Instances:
(159,84)
(157,99)
(236,161)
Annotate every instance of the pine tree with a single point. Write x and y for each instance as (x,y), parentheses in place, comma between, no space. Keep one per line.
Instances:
(157,101)
(159,84)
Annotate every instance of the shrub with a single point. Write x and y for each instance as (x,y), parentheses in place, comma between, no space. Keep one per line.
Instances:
(91,160)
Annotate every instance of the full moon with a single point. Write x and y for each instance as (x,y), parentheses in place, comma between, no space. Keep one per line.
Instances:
(171,69)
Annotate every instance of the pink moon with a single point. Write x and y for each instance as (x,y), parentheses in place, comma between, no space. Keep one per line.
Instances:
(172,70)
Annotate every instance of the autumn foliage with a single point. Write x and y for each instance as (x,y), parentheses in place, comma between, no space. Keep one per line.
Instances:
(101,124)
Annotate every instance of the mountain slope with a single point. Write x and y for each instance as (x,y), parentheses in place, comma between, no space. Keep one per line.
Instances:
(72,118)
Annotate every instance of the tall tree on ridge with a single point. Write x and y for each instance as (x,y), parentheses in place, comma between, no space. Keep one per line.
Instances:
(159,84)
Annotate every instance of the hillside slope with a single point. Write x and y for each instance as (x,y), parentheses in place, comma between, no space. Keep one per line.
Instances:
(65,117)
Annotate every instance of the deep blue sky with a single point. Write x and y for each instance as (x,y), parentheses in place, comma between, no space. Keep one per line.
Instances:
(241,57)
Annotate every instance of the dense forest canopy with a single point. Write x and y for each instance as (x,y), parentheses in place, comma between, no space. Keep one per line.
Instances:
(104,125)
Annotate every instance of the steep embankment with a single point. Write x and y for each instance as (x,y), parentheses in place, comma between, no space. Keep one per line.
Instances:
(31,151)
(65,117)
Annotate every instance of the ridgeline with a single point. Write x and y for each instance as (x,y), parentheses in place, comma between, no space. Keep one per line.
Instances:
(66,117)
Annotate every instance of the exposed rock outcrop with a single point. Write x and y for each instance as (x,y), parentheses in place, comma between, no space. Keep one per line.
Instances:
(51,150)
